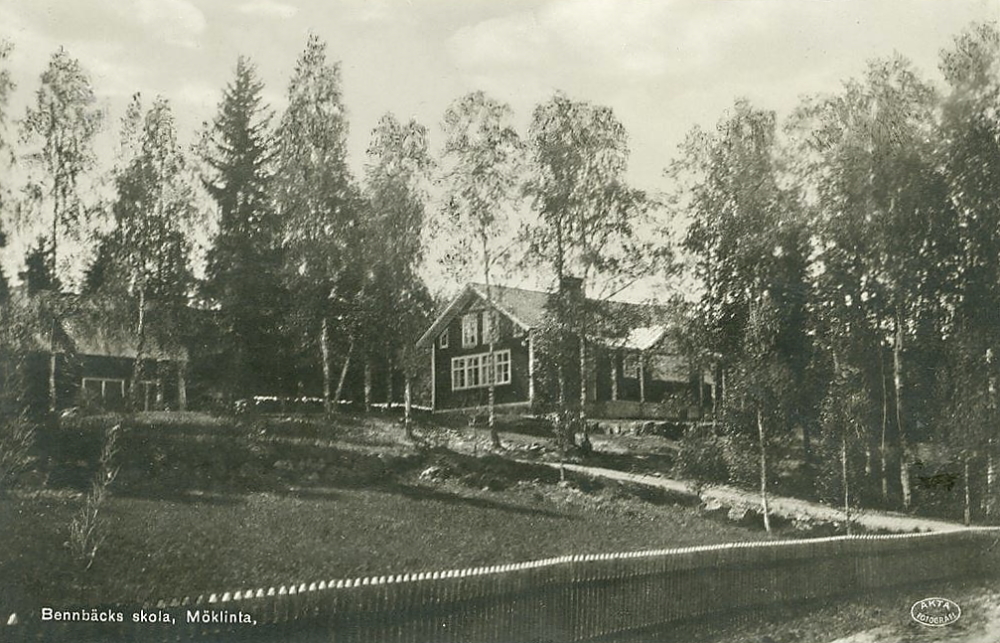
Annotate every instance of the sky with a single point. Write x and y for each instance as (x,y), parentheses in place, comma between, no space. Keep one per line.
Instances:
(663,66)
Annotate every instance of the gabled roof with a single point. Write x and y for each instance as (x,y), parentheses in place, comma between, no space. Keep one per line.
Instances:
(95,326)
(527,309)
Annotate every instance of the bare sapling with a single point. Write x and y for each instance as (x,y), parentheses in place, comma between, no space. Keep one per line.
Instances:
(88,530)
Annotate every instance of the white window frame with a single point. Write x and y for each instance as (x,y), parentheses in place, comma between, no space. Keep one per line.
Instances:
(632,365)
(470,330)
(117,381)
(443,338)
(473,371)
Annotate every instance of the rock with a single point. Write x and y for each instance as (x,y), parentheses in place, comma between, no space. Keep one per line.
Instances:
(431,473)
(737,513)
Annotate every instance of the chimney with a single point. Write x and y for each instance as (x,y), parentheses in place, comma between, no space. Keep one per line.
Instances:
(571,288)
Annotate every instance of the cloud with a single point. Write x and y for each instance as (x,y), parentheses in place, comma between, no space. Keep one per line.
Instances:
(176,22)
(268,9)
(623,39)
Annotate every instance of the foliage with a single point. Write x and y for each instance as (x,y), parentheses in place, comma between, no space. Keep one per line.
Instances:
(751,256)
(482,156)
(321,208)
(481,165)
(397,304)
(17,430)
(588,215)
(7,87)
(60,128)
(37,275)
(243,274)
(847,412)
(89,529)
(587,224)
(702,457)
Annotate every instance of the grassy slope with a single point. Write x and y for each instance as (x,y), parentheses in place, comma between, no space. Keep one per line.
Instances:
(318,523)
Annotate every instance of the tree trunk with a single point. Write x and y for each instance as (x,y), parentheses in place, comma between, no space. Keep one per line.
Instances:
(181,387)
(57,208)
(490,357)
(368,384)
(583,390)
(138,368)
(904,447)
(343,372)
(564,427)
(53,393)
(388,383)
(324,347)
(408,407)
(844,479)
(991,476)
(763,471)
(967,514)
(883,466)
(159,385)
(807,450)
(614,376)
(52,382)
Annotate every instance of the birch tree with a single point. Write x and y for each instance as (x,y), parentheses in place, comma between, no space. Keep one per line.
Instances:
(482,157)
(319,205)
(880,205)
(970,161)
(154,206)
(396,178)
(59,130)
(588,216)
(750,254)
(6,154)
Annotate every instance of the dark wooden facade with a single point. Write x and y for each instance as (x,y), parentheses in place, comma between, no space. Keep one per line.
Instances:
(104,383)
(625,379)
(509,337)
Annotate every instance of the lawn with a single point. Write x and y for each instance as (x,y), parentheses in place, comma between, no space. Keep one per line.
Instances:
(201,508)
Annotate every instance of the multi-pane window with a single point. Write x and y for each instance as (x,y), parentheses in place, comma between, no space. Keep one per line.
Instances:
(470,330)
(632,366)
(108,390)
(501,367)
(473,371)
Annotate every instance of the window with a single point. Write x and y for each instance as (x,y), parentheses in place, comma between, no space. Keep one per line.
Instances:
(470,330)
(502,367)
(148,392)
(443,339)
(108,391)
(631,366)
(473,371)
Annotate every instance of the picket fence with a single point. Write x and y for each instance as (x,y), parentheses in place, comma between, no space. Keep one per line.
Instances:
(570,598)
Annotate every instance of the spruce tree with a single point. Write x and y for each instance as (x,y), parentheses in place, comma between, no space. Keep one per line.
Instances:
(243,272)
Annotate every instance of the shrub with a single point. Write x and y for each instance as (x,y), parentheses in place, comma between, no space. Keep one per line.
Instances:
(701,458)
(17,436)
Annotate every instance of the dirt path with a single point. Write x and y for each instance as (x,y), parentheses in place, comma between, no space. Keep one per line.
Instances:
(790,508)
